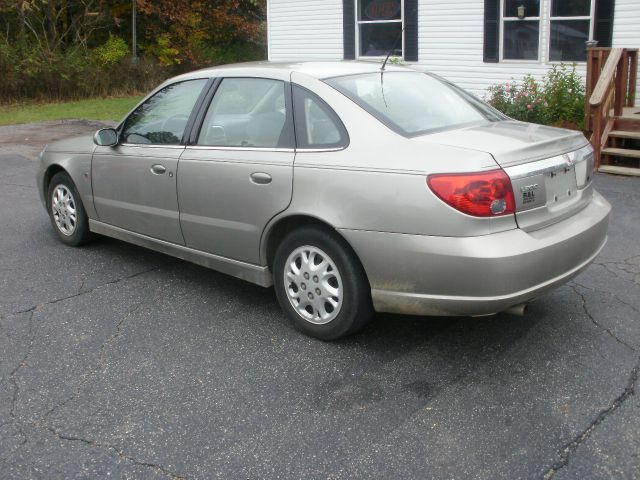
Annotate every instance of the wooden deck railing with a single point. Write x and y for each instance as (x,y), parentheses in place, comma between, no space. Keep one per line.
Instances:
(611,85)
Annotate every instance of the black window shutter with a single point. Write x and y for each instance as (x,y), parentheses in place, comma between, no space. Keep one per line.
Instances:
(491,52)
(603,29)
(411,30)
(349,29)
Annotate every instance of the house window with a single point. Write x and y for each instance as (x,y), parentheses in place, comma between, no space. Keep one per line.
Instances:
(379,27)
(513,29)
(570,27)
(521,29)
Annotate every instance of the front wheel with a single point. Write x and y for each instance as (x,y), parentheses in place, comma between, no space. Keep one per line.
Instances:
(66,211)
(320,284)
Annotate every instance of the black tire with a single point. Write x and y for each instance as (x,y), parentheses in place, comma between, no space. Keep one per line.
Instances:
(79,234)
(355,307)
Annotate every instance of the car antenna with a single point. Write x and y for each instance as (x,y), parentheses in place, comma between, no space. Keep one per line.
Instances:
(393,47)
(384,64)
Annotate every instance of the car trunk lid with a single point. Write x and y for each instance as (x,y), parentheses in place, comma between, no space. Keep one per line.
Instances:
(550,168)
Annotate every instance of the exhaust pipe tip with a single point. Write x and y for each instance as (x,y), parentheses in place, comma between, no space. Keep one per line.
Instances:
(519,310)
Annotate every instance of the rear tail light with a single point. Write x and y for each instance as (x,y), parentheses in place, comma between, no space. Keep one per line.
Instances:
(482,194)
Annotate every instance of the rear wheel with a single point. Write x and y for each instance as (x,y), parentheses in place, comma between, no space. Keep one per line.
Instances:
(67,213)
(320,284)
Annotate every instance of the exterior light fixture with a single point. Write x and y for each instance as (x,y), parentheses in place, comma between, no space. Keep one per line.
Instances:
(521,12)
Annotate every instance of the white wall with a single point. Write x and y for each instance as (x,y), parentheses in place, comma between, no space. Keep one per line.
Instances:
(450,44)
(450,38)
(304,29)
(626,29)
(626,24)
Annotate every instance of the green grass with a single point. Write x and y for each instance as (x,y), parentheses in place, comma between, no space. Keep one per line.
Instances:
(93,109)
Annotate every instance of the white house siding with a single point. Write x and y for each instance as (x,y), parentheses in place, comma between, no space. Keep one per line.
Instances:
(450,38)
(304,29)
(626,29)
(450,42)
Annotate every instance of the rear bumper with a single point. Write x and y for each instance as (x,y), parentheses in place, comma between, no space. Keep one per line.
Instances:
(423,275)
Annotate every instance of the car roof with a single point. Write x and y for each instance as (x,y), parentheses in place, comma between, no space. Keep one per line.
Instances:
(318,70)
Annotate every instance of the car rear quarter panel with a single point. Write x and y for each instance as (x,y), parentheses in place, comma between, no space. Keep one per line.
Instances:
(378,182)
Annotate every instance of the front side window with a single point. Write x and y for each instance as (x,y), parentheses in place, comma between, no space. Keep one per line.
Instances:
(570,28)
(162,119)
(521,29)
(317,125)
(247,112)
(379,27)
(413,103)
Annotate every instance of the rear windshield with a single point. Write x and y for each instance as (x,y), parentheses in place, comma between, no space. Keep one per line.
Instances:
(414,103)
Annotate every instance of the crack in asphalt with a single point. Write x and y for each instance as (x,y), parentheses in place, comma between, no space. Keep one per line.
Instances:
(585,308)
(31,187)
(631,306)
(85,377)
(571,447)
(11,379)
(630,265)
(80,292)
(119,452)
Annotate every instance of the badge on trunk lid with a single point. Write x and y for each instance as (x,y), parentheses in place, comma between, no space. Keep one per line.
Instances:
(529,193)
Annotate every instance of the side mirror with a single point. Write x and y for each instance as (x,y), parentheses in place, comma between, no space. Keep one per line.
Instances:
(106,137)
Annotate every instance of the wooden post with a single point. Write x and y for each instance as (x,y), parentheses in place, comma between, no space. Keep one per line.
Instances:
(633,77)
(596,119)
(589,88)
(621,82)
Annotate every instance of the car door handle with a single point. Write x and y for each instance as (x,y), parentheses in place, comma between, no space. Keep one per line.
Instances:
(158,169)
(260,178)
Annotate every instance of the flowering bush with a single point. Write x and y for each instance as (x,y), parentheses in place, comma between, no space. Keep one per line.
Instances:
(558,100)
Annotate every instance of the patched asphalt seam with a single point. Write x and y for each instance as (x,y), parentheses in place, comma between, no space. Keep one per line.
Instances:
(571,447)
(574,286)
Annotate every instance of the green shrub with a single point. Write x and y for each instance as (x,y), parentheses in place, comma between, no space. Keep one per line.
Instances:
(111,52)
(31,73)
(163,50)
(208,54)
(558,100)
(74,74)
(565,94)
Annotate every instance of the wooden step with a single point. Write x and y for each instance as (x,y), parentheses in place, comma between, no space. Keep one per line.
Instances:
(624,134)
(627,124)
(635,172)
(621,152)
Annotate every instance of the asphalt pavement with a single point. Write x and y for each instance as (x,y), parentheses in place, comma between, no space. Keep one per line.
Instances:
(118,362)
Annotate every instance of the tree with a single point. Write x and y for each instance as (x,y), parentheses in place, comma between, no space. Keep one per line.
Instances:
(195,27)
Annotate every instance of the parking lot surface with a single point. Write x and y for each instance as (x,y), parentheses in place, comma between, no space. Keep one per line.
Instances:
(120,362)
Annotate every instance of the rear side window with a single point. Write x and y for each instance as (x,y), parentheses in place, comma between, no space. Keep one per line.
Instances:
(317,125)
(248,112)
